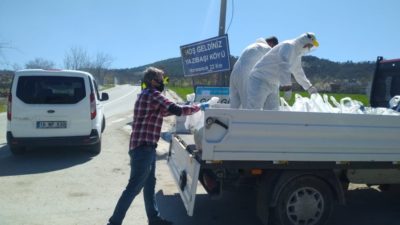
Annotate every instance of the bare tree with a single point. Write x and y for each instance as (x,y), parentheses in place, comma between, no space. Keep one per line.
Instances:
(76,59)
(100,65)
(4,45)
(39,63)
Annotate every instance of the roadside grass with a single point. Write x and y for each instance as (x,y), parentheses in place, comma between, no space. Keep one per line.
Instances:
(107,86)
(3,104)
(183,91)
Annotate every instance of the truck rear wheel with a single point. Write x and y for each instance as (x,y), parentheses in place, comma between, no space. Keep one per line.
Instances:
(305,200)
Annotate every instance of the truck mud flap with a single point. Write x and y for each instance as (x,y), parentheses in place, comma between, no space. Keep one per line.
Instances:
(185,171)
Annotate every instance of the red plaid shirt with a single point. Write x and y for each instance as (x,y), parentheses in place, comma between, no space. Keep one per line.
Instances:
(150,108)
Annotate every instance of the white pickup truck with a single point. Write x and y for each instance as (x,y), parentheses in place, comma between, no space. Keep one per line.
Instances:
(300,163)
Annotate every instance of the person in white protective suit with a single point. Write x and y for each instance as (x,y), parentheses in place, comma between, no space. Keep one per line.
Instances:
(283,60)
(240,72)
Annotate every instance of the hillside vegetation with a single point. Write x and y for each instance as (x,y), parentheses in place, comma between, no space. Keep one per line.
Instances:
(327,76)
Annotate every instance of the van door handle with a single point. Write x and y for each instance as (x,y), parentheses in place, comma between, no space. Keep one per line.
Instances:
(51,111)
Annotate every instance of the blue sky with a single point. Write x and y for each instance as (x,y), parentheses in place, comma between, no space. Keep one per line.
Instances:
(138,32)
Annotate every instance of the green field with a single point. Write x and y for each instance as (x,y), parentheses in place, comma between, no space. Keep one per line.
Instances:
(3,104)
(183,91)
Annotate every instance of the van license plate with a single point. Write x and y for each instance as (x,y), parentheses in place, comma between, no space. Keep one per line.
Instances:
(51,124)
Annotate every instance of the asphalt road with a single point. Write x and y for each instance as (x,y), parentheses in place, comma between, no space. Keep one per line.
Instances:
(71,187)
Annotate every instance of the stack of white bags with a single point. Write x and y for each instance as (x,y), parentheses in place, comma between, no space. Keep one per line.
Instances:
(318,103)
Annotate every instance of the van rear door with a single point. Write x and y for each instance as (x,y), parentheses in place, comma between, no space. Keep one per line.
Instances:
(47,105)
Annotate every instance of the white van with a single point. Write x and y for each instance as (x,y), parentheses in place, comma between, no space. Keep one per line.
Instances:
(54,108)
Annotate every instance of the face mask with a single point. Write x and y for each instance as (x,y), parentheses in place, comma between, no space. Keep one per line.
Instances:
(160,88)
(306,50)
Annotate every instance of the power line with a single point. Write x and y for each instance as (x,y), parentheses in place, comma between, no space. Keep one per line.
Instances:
(230,22)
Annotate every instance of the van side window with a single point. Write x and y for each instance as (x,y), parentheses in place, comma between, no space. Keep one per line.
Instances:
(50,89)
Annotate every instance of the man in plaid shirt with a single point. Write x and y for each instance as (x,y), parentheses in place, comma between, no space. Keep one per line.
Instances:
(150,108)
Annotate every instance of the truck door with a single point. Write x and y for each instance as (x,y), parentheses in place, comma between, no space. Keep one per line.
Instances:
(386,82)
(185,169)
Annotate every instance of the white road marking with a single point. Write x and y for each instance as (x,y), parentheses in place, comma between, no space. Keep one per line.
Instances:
(124,96)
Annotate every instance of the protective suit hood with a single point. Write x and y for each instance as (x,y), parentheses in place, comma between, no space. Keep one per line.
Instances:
(306,38)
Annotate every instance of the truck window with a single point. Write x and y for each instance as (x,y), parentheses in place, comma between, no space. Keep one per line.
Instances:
(50,89)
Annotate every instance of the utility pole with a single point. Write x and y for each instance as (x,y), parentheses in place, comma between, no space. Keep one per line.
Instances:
(221,31)
(222,18)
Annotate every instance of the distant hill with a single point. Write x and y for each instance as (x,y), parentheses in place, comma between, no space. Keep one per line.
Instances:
(346,77)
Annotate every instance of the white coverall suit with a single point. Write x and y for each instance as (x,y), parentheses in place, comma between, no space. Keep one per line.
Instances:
(283,60)
(241,70)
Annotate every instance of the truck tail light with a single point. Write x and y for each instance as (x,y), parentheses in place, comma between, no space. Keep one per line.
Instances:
(93,111)
(9,106)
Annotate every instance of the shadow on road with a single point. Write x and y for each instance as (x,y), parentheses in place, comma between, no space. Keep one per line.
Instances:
(230,209)
(40,160)
(369,206)
(364,206)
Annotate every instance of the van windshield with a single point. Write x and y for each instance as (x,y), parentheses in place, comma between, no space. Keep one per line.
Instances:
(50,89)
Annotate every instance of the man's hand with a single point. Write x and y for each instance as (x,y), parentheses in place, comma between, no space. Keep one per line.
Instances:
(204,106)
(312,90)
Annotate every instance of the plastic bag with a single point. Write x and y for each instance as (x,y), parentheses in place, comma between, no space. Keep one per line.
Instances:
(394,103)
(195,123)
(284,106)
(329,105)
(318,104)
(348,105)
(300,103)
(190,97)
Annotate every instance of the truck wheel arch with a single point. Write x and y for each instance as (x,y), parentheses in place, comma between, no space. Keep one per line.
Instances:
(273,182)
(325,175)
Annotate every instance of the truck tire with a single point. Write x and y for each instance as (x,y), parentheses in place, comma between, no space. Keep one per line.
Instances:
(305,200)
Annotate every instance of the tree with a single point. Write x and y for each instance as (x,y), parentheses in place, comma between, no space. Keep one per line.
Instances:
(39,63)
(100,65)
(3,45)
(76,59)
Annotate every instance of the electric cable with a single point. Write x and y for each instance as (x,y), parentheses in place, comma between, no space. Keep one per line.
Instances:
(230,22)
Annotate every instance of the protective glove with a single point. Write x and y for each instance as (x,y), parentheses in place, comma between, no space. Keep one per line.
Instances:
(204,106)
(287,95)
(312,90)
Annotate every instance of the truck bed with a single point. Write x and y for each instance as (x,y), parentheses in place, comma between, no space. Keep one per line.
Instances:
(256,135)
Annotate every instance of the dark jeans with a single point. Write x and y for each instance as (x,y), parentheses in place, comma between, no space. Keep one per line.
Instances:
(143,166)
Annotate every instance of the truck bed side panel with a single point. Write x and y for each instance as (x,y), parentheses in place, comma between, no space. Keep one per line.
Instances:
(300,136)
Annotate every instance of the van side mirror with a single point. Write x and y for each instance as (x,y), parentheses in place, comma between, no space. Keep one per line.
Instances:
(104,97)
